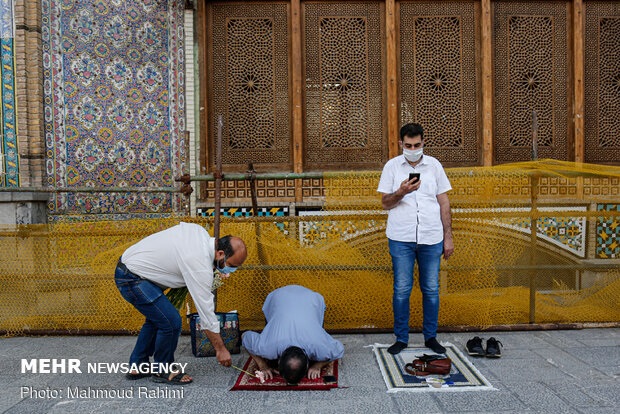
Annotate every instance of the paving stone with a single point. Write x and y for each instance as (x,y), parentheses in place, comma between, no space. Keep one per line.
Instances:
(477,401)
(572,392)
(564,360)
(538,397)
(418,402)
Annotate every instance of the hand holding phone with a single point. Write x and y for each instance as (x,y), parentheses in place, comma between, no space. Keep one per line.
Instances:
(415,177)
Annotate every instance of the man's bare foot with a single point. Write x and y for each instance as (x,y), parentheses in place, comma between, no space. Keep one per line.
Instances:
(184,378)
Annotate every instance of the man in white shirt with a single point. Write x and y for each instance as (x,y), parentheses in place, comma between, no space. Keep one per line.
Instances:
(419,228)
(183,255)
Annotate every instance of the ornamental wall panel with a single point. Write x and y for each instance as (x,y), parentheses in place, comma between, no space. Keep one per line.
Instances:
(114,101)
(602,82)
(249,59)
(9,157)
(530,46)
(344,97)
(438,78)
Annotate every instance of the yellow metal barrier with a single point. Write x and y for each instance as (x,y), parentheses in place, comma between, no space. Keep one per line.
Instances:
(59,277)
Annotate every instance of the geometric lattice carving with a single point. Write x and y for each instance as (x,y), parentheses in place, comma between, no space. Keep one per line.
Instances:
(530,69)
(602,82)
(251,87)
(531,80)
(344,76)
(344,93)
(248,53)
(609,94)
(438,77)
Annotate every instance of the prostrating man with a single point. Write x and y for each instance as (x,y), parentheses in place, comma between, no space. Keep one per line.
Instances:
(294,337)
(183,255)
(419,228)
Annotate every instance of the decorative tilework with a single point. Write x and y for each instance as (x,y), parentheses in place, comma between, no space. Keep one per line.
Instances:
(264,189)
(557,187)
(114,103)
(8,119)
(569,233)
(595,187)
(313,232)
(247,212)
(608,233)
(6,19)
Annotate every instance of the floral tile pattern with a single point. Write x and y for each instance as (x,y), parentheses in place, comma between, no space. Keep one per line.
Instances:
(114,104)
(8,121)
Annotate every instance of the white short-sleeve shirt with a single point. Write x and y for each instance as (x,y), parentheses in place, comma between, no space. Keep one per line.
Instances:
(179,256)
(416,218)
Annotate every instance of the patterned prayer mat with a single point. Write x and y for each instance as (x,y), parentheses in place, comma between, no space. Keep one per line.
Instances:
(463,376)
(246,382)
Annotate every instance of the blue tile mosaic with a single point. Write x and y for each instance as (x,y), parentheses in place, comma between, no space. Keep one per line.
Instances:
(114,103)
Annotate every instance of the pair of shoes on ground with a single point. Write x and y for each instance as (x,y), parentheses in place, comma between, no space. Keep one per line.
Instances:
(493,349)
(431,343)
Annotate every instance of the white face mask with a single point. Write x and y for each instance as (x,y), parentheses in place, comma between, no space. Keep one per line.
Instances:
(412,155)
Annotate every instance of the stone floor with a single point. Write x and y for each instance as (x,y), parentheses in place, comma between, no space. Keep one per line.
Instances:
(576,371)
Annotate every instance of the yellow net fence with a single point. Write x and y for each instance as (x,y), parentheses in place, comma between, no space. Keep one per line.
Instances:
(565,268)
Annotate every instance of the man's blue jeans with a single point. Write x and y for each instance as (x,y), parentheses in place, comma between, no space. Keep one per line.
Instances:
(404,255)
(160,333)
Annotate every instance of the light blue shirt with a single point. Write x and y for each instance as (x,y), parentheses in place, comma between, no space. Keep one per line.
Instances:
(294,318)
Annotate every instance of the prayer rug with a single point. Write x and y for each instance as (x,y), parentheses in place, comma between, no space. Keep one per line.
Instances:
(246,382)
(463,375)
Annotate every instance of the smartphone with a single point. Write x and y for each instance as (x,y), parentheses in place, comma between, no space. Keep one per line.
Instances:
(329,379)
(414,176)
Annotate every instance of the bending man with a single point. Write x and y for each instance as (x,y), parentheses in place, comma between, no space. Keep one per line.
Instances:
(294,338)
(183,255)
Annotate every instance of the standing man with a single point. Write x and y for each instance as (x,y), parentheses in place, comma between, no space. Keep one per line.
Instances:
(183,255)
(419,228)
(293,339)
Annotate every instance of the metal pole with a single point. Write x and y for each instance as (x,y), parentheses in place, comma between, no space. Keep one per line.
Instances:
(89,189)
(257,224)
(534,136)
(533,220)
(218,180)
(218,191)
(457,328)
(261,176)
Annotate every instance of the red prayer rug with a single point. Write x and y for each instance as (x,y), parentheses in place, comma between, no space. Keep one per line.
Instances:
(246,382)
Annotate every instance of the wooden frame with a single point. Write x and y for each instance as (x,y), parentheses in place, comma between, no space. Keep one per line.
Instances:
(390,9)
(578,76)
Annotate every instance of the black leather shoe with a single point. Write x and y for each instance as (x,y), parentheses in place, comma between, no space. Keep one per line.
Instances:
(397,347)
(474,347)
(435,346)
(494,348)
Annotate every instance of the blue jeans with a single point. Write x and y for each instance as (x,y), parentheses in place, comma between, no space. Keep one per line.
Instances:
(160,333)
(404,255)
